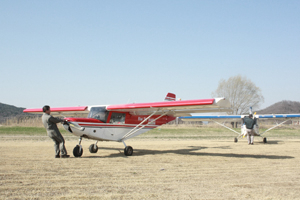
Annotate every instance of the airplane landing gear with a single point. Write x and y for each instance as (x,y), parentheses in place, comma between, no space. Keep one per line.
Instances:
(265,140)
(77,151)
(128,151)
(235,139)
(93,148)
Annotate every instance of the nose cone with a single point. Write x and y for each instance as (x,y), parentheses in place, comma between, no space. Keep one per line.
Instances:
(66,126)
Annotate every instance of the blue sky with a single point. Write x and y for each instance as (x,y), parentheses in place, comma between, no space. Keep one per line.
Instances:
(71,53)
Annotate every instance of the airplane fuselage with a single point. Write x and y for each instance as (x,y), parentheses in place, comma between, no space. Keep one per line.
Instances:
(113,126)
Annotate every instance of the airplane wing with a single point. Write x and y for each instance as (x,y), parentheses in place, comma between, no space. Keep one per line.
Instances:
(237,117)
(278,116)
(59,111)
(212,118)
(175,108)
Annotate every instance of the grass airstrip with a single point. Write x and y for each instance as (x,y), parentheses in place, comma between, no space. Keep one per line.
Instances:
(170,162)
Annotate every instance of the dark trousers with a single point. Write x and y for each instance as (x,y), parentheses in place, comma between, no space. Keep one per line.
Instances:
(59,142)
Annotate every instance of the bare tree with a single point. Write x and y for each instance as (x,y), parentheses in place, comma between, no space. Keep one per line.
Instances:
(241,92)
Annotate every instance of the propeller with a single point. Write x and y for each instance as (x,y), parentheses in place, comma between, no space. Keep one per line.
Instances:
(68,126)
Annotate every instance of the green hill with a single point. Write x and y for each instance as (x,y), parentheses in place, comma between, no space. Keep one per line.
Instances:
(8,111)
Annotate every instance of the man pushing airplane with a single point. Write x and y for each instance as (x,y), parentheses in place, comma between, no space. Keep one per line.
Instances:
(53,132)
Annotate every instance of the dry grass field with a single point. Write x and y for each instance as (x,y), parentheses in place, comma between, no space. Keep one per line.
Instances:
(162,167)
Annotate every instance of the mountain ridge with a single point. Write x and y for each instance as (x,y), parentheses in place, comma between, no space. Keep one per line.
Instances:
(282,107)
(10,111)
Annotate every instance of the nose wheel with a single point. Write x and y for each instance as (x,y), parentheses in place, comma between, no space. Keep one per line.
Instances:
(77,151)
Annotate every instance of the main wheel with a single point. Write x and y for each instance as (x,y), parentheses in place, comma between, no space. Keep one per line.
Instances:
(77,151)
(128,151)
(93,148)
(265,140)
(235,139)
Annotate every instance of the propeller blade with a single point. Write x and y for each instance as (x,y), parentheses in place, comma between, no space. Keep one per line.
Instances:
(76,126)
(68,125)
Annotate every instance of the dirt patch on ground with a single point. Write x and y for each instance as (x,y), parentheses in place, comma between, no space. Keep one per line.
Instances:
(158,169)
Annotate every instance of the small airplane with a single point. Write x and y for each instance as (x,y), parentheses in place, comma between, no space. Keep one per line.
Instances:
(235,118)
(122,122)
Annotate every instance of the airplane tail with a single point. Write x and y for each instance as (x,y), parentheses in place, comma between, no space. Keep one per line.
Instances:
(170,97)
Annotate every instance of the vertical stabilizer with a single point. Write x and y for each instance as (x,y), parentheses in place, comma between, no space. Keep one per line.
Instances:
(170,97)
(250,110)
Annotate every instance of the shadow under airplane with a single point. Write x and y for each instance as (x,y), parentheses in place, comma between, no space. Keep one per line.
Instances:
(192,151)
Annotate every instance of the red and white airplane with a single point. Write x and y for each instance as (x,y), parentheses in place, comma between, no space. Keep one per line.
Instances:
(122,122)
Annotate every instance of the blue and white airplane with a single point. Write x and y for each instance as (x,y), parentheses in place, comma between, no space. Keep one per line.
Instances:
(235,118)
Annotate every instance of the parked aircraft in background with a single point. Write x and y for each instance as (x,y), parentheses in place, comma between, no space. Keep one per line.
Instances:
(122,122)
(221,119)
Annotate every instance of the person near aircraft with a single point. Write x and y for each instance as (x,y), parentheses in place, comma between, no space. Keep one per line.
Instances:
(249,122)
(49,123)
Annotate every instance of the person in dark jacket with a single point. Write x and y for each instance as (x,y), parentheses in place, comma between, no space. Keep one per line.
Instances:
(249,122)
(49,123)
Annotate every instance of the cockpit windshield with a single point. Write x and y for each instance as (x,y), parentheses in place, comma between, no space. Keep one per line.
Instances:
(99,113)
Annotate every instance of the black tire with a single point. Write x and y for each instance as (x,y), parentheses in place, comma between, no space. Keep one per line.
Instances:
(93,148)
(77,151)
(128,151)
(265,140)
(235,139)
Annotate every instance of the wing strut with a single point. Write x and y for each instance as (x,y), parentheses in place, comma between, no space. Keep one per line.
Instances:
(227,127)
(135,129)
(274,126)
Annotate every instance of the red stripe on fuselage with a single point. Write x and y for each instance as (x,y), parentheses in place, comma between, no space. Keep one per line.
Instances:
(87,120)
(104,125)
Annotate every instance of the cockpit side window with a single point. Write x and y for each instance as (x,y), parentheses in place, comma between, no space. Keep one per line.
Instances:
(99,113)
(117,118)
